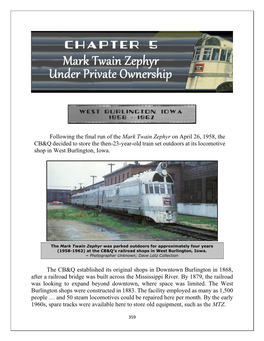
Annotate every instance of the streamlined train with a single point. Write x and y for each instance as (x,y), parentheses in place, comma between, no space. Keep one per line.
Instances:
(212,64)
(149,195)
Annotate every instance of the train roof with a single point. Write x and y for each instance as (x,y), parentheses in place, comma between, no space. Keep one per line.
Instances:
(208,40)
(149,176)
(145,176)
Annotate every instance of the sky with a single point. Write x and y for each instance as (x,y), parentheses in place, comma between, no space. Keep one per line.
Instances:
(70,174)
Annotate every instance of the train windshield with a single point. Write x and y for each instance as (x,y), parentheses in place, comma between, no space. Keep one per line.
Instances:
(197,54)
(215,54)
(223,55)
(207,54)
(158,188)
(228,56)
(158,178)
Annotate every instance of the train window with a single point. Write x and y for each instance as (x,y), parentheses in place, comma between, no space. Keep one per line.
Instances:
(197,54)
(156,189)
(162,189)
(128,191)
(215,54)
(157,178)
(207,54)
(170,189)
(228,56)
(151,189)
(213,41)
(223,55)
(169,178)
(199,42)
(146,189)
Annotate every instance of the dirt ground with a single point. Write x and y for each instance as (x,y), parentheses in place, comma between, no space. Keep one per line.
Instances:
(75,230)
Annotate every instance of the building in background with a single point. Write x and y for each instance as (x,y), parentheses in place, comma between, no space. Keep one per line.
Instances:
(59,195)
(196,184)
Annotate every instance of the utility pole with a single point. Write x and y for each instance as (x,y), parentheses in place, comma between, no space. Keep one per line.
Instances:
(93,176)
(111,165)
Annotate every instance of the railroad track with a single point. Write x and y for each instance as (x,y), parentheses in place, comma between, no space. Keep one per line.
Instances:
(191,231)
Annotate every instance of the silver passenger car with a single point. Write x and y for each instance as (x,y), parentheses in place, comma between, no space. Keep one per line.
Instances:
(150,194)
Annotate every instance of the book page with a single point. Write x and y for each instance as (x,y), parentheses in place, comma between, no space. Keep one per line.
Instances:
(132,132)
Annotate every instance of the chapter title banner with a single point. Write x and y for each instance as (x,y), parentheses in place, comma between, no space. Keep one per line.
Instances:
(115,61)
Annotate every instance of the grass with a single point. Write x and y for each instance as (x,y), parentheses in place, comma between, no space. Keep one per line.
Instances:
(203,222)
(98,218)
(86,216)
(125,225)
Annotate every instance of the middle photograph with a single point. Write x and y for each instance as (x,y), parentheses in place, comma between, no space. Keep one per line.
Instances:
(134,200)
